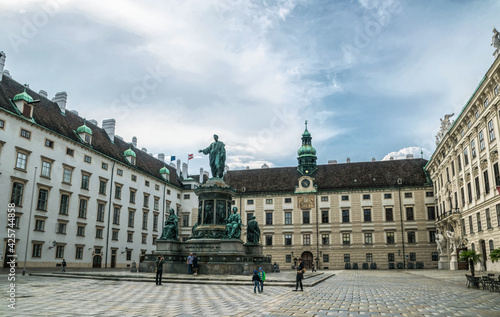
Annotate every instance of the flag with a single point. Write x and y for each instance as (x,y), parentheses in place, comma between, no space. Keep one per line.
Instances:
(172,158)
(190,156)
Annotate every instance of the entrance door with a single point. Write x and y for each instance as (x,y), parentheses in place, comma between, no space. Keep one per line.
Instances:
(483,253)
(113,258)
(307,258)
(8,254)
(96,263)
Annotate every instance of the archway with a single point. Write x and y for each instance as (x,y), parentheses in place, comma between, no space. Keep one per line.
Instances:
(307,259)
(96,261)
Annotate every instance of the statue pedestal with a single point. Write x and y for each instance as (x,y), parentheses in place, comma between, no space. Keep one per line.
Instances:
(168,245)
(443,263)
(253,248)
(231,246)
(453,262)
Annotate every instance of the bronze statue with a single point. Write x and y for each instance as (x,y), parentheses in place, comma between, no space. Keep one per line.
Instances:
(253,231)
(220,216)
(217,155)
(208,217)
(171,228)
(233,226)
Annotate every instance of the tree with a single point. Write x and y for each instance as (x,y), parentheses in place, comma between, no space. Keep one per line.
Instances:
(495,255)
(472,257)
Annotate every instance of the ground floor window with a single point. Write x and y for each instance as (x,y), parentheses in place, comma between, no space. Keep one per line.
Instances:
(326,258)
(434,256)
(347,258)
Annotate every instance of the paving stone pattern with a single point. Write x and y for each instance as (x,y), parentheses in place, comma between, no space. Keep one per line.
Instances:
(349,293)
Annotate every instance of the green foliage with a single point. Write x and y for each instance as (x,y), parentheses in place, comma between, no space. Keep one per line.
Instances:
(472,257)
(495,255)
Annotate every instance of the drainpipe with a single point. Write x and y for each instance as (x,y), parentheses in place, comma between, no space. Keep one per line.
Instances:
(109,217)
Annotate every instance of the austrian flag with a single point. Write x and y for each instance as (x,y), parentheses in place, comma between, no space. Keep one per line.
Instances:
(190,156)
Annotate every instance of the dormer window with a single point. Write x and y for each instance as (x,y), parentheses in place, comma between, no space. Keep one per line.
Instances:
(130,156)
(85,133)
(24,103)
(165,173)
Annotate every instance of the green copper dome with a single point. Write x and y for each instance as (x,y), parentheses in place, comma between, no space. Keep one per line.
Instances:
(164,170)
(23,96)
(306,150)
(307,155)
(129,152)
(84,129)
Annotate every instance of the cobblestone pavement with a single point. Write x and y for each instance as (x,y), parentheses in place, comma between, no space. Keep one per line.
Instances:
(349,293)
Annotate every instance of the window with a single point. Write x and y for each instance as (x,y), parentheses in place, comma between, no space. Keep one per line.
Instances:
(476,114)
(288,200)
(145,221)
(186,196)
(434,256)
(496,90)
(130,237)
(367,215)
(269,239)
(118,191)
(17,194)
(288,258)
(102,187)
(366,196)
(269,201)
(413,256)
(481,141)
(432,236)
(409,213)
(288,239)
(116,216)
(79,253)
(64,205)
(326,258)
(131,215)
(347,258)
(486,183)
(249,201)
(324,198)
(40,225)
(368,238)
(463,227)
(466,157)
(389,216)
(390,257)
(305,216)
(70,152)
(146,201)
(488,219)
(479,224)
(288,217)
(61,228)
(469,124)
(134,178)
(100,212)
(390,237)
(98,233)
(497,174)
(431,213)
(469,192)
(324,216)
(156,203)
(119,172)
(388,196)
(491,130)
(325,239)
(452,168)
(463,196)
(104,166)
(478,189)
(491,245)
(2,124)
(49,143)
(21,161)
(369,257)
(157,187)
(459,163)
(146,183)
(410,195)
(67,175)
(114,235)
(43,196)
(345,215)
(269,218)
(473,148)
(82,209)
(486,102)
(37,250)
(155,222)
(145,239)
(60,251)
(25,134)
(411,237)
(80,231)
(346,238)
(168,191)
(344,198)
(85,181)
(471,225)
(132,196)
(87,159)
(185,220)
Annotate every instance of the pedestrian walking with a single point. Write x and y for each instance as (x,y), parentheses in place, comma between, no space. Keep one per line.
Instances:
(256,281)
(64,265)
(275,267)
(190,263)
(159,269)
(300,275)
(313,269)
(262,276)
(195,264)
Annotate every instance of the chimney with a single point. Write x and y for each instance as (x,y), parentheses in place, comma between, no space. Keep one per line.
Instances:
(144,150)
(409,156)
(134,143)
(93,121)
(172,164)
(205,173)
(43,93)
(184,170)
(332,162)
(109,126)
(373,159)
(201,175)
(391,158)
(179,167)
(61,98)
(348,160)
(74,112)
(2,63)
(161,156)
(6,73)
(265,166)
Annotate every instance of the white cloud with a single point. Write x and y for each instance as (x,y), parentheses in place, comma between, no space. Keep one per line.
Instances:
(415,151)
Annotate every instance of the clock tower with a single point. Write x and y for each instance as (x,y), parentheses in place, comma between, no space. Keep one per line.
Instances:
(307,155)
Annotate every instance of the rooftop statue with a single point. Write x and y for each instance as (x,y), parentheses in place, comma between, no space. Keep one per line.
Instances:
(495,40)
(217,155)
(445,126)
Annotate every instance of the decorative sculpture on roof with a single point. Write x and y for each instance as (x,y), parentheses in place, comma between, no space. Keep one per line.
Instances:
(171,228)
(495,40)
(445,126)
(217,155)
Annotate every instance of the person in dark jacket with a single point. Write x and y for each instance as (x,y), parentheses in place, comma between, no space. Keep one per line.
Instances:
(159,269)
(300,275)
(195,264)
(256,281)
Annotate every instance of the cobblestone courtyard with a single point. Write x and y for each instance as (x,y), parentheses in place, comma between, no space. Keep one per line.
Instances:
(348,293)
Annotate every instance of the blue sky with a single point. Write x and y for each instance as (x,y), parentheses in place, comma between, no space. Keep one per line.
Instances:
(373,78)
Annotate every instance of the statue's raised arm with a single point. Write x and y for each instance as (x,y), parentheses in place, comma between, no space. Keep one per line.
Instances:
(217,157)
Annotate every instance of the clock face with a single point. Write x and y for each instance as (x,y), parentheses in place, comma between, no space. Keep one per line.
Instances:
(305,183)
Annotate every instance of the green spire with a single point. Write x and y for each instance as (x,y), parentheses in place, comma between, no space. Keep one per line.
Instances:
(23,96)
(307,155)
(129,152)
(84,128)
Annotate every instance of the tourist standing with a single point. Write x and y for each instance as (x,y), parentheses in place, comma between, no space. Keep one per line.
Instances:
(64,265)
(262,276)
(195,264)
(275,267)
(256,282)
(190,263)
(159,269)
(300,276)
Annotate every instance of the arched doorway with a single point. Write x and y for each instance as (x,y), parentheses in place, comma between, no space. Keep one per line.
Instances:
(484,258)
(307,259)
(96,261)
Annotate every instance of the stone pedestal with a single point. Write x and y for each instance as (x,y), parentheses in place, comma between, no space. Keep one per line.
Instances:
(443,263)
(453,262)
(253,248)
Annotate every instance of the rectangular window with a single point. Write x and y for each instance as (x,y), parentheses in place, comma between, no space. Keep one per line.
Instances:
(49,143)
(345,197)
(146,183)
(87,159)
(469,192)
(388,196)
(118,191)
(17,194)
(463,196)
(413,256)
(491,130)
(324,198)
(39,225)
(307,239)
(70,152)
(130,237)
(132,196)
(37,251)
(100,212)
(269,201)
(67,176)
(432,236)
(434,256)
(479,223)
(346,238)
(497,174)
(145,220)
(345,215)
(85,181)
(305,217)
(486,182)
(185,220)
(82,208)
(471,225)
(157,187)
(2,124)
(46,168)
(411,237)
(156,203)
(288,217)
(134,178)
(459,162)
(114,235)
(325,239)
(473,148)
(410,195)
(488,218)
(326,258)
(409,213)
(390,257)
(80,231)
(288,239)
(478,189)
(146,201)
(25,134)
(104,166)
(249,201)
(186,196)
(21,161)
(61,228)
(144,239)
(324,216)
(131,215)
(367,215)
(288,200)
(452,168)
(116,216)
(269,218)
(288,258)
(368,238)
(466,157)
(79,253)
(463,227)
(390,237)
(481,141)
(431,213)
(98,233)
(43,196)
(64,205)
(389,216)
(60,251)
(347,258)
(366,196)
(102,187)
(369,257)
(119,172)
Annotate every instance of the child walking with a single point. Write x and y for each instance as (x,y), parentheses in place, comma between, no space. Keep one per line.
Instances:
(256,282)
(262,276)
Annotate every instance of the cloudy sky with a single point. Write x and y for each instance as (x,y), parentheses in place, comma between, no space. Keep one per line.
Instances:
(372,77)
